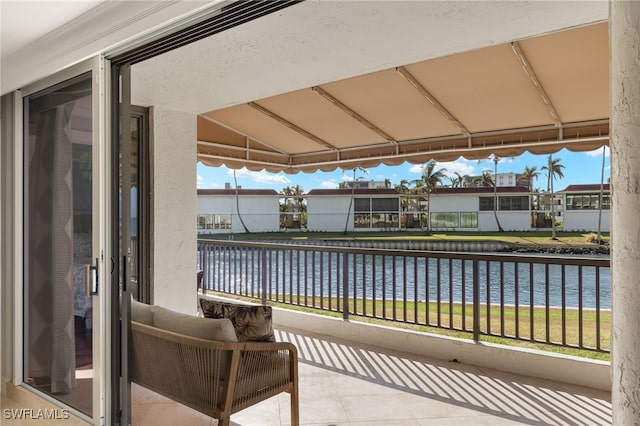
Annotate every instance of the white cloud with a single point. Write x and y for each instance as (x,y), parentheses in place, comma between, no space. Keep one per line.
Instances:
(330,184)
(416,168)
(598,152)
(262,176)
(461,166)
(203,184)
(361,174)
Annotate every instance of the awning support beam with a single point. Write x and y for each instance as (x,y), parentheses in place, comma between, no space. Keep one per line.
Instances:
(536,83)
(350,112)
(290,125)
(246,136)
(432,99)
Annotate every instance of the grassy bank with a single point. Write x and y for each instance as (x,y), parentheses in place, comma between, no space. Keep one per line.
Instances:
(516,238)
(562,327)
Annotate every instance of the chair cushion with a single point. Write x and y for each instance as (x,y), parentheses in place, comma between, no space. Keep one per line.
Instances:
(252,323)
(141,312)
(203,328)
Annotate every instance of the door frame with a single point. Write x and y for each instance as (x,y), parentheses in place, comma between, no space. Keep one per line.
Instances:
(101,165)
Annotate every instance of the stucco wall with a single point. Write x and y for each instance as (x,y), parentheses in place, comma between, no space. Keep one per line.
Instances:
(509,220)
(327,213)
(585,220)
(454,203)
(173,152)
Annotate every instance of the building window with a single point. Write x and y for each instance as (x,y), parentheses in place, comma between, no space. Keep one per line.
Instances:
(384,205)
(514,203)
(222,221)
(205,221)
(444,220)
(486,204)
(588,201)
(362,205)
(376,213)
(214,221)
(362,220)
(505,203)
(385,220)
(468,219)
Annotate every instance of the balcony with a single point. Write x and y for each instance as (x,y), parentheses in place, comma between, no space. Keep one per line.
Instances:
(345,383)
(353,373)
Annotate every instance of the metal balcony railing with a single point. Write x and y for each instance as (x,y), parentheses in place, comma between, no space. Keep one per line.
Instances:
(556,300)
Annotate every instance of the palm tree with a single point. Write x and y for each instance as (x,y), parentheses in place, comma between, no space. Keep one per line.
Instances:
(417,186)
(529,174)
(285,204)
(298,192)
(456,180)
(431,178)
(464,181)
(495,159)
(293,204)
(553,168)
(235,180)
(302,205)
(353,191)
(403,186)
(487,179)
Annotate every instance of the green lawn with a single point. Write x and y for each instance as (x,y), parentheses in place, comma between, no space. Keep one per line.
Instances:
(520,238)
(415,316)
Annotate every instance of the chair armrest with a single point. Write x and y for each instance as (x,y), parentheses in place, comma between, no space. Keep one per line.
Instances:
(264,369)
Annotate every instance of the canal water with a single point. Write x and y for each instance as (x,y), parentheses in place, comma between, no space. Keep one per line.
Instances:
(415,278)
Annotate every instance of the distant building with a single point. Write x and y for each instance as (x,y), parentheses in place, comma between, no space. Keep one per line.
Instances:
(451,209)
(507,179)
(367,209)
(472,209)
(365,184)
(582,207)
(502,179)
(217,210)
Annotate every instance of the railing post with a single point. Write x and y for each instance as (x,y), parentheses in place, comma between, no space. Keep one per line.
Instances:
(345,286)
(476,300)
(206,252)
(263,276)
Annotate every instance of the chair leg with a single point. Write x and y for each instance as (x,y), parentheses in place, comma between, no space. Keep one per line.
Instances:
(295,405)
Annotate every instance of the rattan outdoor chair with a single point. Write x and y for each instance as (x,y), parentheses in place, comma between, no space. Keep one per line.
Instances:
(213,377)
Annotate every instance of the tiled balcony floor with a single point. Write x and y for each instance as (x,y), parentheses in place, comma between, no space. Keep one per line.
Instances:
(345,384)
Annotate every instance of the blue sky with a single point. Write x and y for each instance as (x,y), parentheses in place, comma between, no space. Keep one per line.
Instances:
(580,168)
